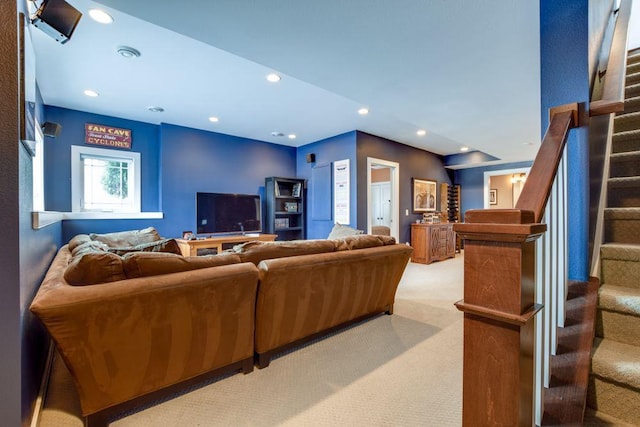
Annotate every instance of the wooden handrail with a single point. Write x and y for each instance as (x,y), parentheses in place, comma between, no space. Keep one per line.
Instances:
(499,302)
(615,72)
(537,188)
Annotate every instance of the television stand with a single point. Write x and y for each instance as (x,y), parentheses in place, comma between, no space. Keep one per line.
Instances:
(190,247)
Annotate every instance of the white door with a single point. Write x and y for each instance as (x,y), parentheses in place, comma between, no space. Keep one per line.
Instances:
(381,203)
(390,213)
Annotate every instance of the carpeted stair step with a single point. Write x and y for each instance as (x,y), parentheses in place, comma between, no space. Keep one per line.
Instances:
(626,122)
(623,192)
(618,316)
(614,383)
(632,91)
(631,105)
(626,141)
(632,78)
(625,164)
(633,68)
(633,57)
(620,264)
(622,225)
(593,418)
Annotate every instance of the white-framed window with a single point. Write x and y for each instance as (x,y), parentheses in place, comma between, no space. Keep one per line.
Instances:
(38,170)
(104,180)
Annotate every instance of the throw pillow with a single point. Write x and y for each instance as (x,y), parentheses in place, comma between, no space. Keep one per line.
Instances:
(89,246)
(164,245)
(340,230)
(127,239)
(93,267)
(78,240)
(143,264)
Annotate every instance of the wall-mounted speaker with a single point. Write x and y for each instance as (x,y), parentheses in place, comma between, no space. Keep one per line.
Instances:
(311,158)
(51,129)
(57,18)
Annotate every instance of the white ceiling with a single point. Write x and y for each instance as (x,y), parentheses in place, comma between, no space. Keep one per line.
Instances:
(464,70)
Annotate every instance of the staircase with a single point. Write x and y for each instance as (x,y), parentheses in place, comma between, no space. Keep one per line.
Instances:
(614,383)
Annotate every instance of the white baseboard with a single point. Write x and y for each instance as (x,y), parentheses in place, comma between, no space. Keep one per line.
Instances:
(44,385)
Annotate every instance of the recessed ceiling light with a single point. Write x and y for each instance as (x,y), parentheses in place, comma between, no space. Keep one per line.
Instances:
(155,109)
(363,111)
(214,119)
(421,132)
(100,16)
(291,136)
(91,93)
(277,134)
(464,149)
(128,52)
(273,77)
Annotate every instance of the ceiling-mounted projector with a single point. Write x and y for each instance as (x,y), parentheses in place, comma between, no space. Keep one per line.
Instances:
(57,18)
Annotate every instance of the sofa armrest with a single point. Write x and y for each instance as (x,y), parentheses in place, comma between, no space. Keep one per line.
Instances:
(123,339)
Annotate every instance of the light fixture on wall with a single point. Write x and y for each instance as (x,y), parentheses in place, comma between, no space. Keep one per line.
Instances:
(520,177)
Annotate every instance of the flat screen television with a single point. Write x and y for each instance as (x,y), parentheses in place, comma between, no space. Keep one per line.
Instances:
(219,213)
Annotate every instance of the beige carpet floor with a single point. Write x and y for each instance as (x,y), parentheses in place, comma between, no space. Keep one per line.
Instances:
(399,370)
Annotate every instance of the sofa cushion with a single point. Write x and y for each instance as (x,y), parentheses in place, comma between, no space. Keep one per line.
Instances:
(127,239)
(387,240)
(340,230)
(257,251)
(362,241)
(90,267)
(143,264)
(164,245)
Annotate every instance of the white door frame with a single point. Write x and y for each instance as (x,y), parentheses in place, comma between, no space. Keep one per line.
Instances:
(489,174)
(395,193)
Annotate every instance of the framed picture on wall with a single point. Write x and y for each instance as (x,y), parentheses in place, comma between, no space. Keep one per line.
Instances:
(424,195)
(493,196)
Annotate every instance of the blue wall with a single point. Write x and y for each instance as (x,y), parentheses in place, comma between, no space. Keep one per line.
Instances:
(194,160)
(564,53)
(327,151)
(58,156)
(176,163)
(471,183)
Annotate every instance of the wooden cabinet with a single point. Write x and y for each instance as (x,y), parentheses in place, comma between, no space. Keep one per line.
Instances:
(432,242)
(285,208)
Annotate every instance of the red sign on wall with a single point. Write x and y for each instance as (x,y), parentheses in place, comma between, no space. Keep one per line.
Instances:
(107,136)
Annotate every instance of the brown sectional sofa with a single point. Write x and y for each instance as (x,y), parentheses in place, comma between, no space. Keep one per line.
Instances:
(152,321)
(303,296)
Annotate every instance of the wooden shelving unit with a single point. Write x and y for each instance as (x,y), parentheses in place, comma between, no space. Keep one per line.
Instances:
(285,207)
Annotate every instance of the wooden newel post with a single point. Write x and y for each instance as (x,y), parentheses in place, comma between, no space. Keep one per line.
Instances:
(499,307)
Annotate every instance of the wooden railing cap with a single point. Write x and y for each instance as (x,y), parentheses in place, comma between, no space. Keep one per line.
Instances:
(499,216)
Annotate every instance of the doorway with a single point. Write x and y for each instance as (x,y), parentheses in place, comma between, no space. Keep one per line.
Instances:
(383,194)
(502,187)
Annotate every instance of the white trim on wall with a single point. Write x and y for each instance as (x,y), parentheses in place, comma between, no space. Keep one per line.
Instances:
(489,174)
(395,194)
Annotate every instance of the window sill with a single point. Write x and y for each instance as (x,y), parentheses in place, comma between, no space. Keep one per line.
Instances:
(42,219)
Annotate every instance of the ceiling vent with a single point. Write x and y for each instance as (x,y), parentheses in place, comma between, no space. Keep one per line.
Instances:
(128,52)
